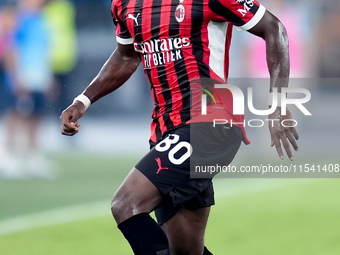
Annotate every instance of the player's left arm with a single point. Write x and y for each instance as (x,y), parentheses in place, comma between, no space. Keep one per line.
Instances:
(277,54)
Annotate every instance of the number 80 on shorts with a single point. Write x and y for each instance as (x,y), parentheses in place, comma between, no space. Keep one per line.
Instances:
(172,139)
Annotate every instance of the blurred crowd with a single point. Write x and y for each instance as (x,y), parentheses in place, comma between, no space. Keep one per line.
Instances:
(40,51)
(37,50)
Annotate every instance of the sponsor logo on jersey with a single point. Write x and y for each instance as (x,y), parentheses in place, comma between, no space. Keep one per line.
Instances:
(161,51)
(130,16)
(247,4)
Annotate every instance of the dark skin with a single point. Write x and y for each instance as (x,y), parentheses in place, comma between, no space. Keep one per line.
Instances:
(185,231)
(277,52)
(115,72)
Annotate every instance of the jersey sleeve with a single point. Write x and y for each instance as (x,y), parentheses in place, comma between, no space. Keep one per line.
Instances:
(244,14)
(123,35)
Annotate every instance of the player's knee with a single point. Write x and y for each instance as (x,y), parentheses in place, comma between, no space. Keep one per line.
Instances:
(115,208)
(120,208)
(123,207)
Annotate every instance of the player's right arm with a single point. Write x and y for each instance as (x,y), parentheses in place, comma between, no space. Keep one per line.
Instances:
(115,72)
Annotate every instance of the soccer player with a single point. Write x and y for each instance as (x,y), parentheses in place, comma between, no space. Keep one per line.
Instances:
(183,46)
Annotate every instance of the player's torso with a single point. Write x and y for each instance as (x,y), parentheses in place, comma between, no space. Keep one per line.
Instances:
(168,31)
(180,43)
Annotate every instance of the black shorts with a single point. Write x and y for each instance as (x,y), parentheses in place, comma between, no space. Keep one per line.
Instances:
(168,165)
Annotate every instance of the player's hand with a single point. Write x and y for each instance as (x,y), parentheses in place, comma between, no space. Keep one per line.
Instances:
(287,136)
(69,118)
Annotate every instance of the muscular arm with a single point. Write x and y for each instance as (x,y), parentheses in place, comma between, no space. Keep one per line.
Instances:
(114,73)
(277,53)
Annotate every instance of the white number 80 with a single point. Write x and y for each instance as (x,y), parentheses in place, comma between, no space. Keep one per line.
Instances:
(166,144)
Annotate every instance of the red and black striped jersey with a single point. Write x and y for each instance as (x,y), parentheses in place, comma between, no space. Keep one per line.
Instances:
(181,42)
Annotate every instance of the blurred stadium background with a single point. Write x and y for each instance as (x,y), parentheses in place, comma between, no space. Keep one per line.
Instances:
(69,212)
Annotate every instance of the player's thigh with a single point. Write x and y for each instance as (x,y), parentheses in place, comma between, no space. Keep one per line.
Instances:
(135,195)
(185,231)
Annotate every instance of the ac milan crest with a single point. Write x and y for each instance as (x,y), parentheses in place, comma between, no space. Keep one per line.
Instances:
(180,12)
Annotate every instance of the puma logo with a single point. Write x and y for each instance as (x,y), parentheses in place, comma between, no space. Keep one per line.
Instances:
(158,160)
(130,16)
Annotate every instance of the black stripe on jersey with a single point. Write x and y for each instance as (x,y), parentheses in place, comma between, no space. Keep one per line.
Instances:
(156,106)
(162,75)
(166,93)
(254,8)
(155,21)
(197,15)
(156,18)
(174,31)
(181,71)
(183,79)
(224,12)
(124,33)
(156,103)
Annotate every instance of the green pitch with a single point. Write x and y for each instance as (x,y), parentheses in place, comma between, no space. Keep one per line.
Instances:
(71,214)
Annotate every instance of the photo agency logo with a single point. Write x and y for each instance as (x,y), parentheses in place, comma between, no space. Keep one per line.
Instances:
(275,99)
